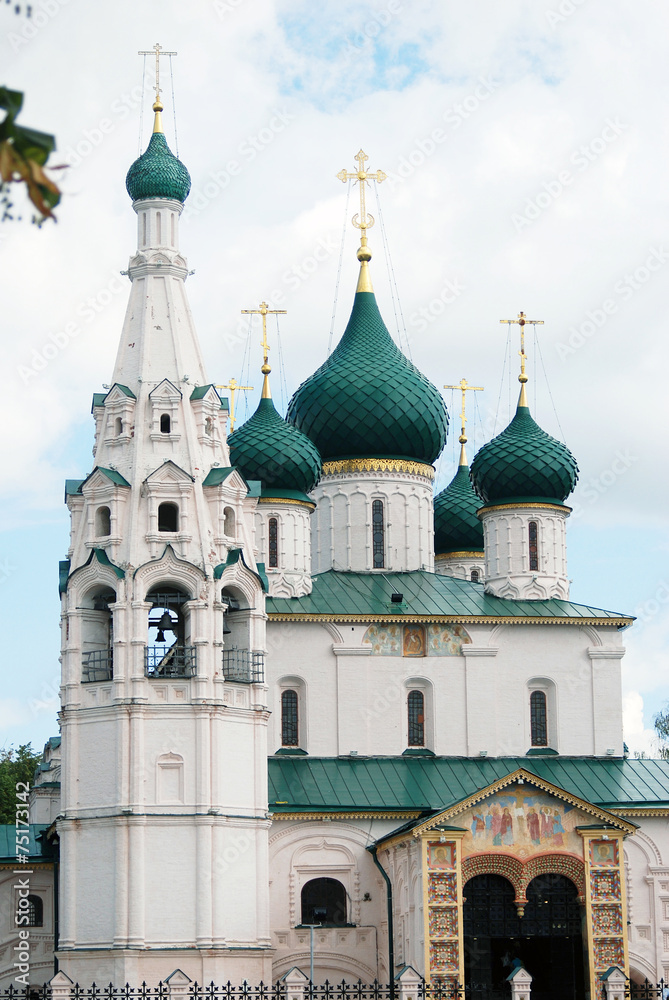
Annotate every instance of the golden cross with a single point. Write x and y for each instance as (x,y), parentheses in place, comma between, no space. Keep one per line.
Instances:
(464,387)
(362,220)
(264,311)
(159,52)
(233,387)
(522,321)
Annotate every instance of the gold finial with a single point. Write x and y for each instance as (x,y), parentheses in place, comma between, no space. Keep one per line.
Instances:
(232,387)
(158,104)
(264,311)
(363,221)
(522,321)
(464,387)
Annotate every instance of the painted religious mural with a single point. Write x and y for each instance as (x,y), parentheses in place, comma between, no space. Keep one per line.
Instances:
(415,639)
(522,821)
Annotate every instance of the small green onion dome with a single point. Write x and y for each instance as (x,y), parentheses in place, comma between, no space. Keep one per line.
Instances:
(369,401)
(270,449)
(456,526)
(157,173)
(524,463)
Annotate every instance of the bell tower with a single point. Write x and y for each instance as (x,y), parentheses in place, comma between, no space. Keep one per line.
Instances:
(164,790)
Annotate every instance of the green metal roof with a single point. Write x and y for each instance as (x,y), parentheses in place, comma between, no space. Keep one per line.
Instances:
(235,556)
(98,399)
(429,784)
(456,526)
(8,841)
(217,475)
(369,401)
(523,464)
(268,448)
(362,596)
(157,173)
(73,486)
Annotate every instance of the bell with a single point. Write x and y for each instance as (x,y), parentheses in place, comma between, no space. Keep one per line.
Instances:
(164,624)
(226,630)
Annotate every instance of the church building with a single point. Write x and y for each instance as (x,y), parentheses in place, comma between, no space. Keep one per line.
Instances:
(312,715)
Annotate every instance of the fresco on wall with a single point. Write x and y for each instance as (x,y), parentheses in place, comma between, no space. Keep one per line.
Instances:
(522,821)
(411,640)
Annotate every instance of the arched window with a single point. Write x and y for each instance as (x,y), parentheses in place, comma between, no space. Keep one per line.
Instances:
(378,535)
(165,423)
(173,227)
(35,911)
(324,902)
(118,426)
(534,545)
(102,522)
(169,652)
(475,576)
(290,736)
(159,227)
(273,535)
(416,712)
(97,635)
(168,517)
(144,228)
(538,719)
(229,522)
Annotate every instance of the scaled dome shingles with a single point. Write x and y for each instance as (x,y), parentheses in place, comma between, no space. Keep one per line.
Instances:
(268,448)
(456,526)
(157,173)
(369,401)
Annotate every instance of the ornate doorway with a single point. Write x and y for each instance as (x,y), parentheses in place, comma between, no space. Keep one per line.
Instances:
(547,939)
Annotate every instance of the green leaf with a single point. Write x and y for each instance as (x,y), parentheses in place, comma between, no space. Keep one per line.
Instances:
(11,101)
(32,144)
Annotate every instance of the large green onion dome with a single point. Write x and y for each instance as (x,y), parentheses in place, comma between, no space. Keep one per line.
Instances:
(157,173)
(456,526)
(524,463)
(270,449)
(367,400)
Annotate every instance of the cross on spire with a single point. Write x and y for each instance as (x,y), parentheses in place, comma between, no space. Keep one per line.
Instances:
(159,51)
(264,311)
(522,322)
(464,387)
(362,220)
(232,387)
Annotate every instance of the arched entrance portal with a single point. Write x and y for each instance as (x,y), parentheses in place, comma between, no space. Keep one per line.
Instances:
(548,938)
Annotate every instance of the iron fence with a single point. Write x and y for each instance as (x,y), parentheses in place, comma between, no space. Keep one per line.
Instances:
(97,665)
(245,666)
(647,991)
(176,661)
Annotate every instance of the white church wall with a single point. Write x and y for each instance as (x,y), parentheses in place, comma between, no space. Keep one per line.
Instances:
(647,858)
(507,555)
(40,938)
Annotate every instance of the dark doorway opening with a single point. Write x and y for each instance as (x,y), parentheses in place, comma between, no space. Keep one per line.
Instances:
(548,939)
(324,902)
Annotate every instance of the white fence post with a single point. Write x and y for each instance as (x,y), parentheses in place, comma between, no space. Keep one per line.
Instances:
(521,984)
(61,986)
(297,983)
(177,984)
(408,983)
(614,983)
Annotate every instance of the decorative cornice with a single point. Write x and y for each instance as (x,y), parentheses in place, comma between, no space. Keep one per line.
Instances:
(524,505)
(276,616)
(344,465)
(476,554)
(391,814)
(660,811)
(272,501)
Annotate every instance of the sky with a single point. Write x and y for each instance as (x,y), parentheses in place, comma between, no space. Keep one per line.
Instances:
(525,145)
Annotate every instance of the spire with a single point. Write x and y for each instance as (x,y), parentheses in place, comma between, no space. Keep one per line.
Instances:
(264,311)
(463,386)
(158,51)
(522,378)
(362,220)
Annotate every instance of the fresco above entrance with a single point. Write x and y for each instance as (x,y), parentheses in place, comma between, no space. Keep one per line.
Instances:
(522,821)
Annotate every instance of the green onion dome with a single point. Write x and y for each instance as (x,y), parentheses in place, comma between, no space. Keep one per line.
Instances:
(456,526)
(157,173)
(270,449)
(369,401)
(524,463)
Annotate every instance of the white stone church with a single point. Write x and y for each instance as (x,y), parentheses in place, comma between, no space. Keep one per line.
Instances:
(306,703)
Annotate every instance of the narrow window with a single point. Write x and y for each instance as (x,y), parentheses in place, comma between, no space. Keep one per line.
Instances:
(159,228)
(538,720)
(229,522)
(172,217)
(143,228)
(102,522)
(416,709)
(118,426)
(168,517)
(474,576)
(165,423)
(273,542)
(289,727)
(534,548)
(378,532)
(35,911)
